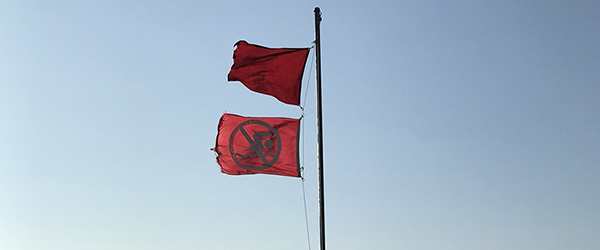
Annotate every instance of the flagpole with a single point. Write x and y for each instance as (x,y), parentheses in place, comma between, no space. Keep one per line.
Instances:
(320,128)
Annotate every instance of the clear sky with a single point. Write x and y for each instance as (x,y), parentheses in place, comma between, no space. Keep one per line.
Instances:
(448,125)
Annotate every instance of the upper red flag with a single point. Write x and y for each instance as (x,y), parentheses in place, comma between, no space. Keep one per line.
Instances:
(275,72)
(258,145)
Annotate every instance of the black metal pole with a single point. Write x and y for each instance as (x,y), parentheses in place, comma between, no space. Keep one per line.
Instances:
(320,128)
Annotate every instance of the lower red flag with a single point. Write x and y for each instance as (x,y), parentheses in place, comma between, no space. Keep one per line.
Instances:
(258,145)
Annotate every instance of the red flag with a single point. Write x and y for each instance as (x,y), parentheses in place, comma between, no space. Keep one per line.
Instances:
(274,72)
(258,145)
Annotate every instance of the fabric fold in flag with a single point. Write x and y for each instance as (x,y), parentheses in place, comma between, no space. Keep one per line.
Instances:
(274,72)
(258,145)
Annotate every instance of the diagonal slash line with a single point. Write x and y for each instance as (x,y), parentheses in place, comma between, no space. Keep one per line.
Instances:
(253,144)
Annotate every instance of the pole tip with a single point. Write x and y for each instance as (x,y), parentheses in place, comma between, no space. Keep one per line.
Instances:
(318,14)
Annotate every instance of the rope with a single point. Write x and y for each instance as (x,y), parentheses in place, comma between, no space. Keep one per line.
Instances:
(305,214)
(312,60)
(303,189)
(302,156)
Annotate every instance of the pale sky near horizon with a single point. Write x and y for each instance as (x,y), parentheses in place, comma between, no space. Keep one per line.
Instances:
(448,125)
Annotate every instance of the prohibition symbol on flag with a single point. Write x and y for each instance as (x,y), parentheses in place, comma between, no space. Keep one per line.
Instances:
(266,150)
(258,145)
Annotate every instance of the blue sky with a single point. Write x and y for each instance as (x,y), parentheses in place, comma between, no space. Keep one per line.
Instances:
(447,125)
